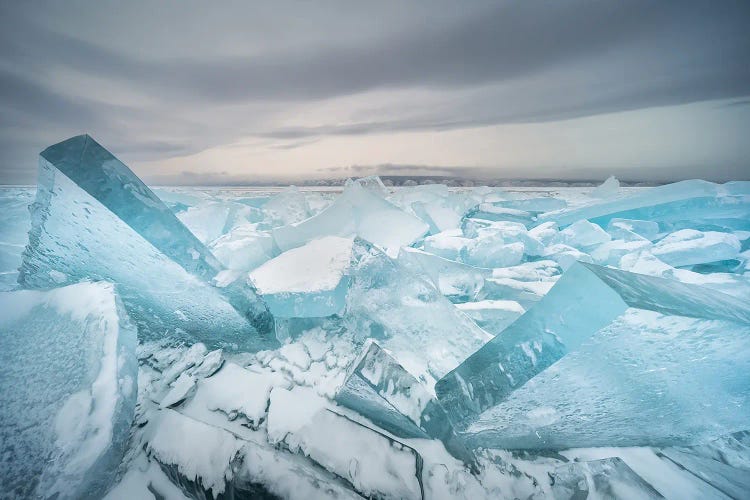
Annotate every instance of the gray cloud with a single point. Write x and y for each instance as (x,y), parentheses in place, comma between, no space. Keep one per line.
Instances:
(504,62)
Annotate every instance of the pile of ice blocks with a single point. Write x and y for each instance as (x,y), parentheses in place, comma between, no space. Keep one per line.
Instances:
(414,342)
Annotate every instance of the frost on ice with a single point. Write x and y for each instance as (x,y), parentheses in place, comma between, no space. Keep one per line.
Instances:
(68,386)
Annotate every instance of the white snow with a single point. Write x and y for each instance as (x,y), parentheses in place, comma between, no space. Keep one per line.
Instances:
(317,265)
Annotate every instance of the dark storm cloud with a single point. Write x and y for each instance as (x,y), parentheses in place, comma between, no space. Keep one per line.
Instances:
(529,61)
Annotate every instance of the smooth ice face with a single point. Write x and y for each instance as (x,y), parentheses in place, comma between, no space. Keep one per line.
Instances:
(356,212)
(459,282)
(308,281)
(75,237)
(586,299)
(689,247)
(68,386)
(407,316)
(645,379)
(693,203)
(95,170)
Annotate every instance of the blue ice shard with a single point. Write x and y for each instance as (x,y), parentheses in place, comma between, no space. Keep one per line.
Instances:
(379,388)
(693,204)
(68,376)
(407,316)
(619,348)
(94,219)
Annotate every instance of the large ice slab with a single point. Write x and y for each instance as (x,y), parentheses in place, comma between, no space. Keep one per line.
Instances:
(68,375)
(379,388)
(688,203)
(686,377)
(585,300)
(427,334)
(356,212)
(689,247)
(94,219)
(307,281)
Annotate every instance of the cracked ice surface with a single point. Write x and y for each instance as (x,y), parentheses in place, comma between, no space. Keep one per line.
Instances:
(418,283)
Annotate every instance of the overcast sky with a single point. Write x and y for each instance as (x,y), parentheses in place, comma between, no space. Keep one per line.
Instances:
(217,92)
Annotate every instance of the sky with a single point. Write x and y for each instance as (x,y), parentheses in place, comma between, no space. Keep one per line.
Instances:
(196,92)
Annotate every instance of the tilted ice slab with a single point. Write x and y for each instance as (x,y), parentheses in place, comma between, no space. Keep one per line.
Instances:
(356,212)
(379,388)
(307,281)
(68,375)
(427,334)
(692,202)
(585,300)
(647,378)
(94,219)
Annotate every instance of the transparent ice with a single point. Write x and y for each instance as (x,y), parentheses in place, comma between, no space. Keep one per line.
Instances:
(94,219)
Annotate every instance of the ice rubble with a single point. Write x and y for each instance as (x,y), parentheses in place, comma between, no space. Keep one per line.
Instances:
(68,375)
(379,293)
(94,219)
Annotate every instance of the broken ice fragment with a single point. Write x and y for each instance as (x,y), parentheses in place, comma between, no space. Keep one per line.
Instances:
(356,212)
(459,282)
(376,465)
(379,388)
(491,212)
(307,281)
(689,247)
(533,205)
(287,207)
(68,375)
(94,219)
(731,481)
(586,299)
(407,316)
(693,202)
(626,228)
(606,478)
(606,189)
(95,170)
(583,235)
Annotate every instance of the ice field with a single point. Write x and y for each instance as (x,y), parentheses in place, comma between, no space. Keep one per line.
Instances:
(417,342)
